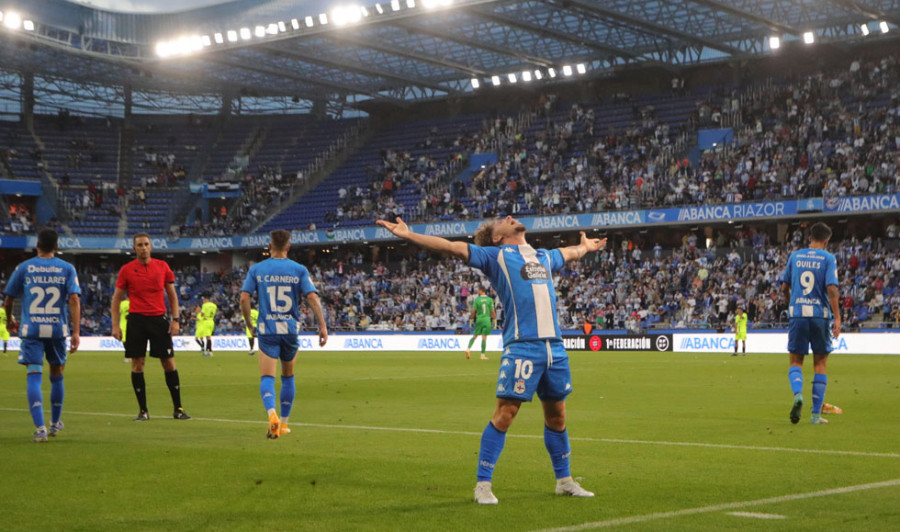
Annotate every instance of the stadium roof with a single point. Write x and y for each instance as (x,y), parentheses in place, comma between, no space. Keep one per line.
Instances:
(401,51)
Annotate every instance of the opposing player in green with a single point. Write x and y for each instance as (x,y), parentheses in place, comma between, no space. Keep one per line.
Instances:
(4,334)
(740,330)
(124,308)
(206,324)
(251,339)
(485,318)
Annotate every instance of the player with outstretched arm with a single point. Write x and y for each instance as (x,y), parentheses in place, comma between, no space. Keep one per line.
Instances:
(534,359)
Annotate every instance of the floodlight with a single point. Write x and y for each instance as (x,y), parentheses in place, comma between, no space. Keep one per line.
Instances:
(410,3)
(162,49)
(309,22)
(379,9)
(580,68)
(260,31)
(883,26)
(475,83)
(282,27)
(12,20)
(551,72)
(323,18)
(395,5)
(429,4)
(28,25)
(774,42)
(495,80)
(218,38)
(245,34)
(272,29)
(295,24)
(343,15)
(364,10)
(205,40)
(526,76)
(511,77)
(538,74)
(232,36)
(809,37)
(864,28)
(567,70)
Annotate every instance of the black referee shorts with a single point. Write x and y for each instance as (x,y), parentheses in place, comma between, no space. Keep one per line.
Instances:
(143,329)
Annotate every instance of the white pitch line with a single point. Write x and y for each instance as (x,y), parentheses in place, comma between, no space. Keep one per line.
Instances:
(757,515)
(721,507)
(520,436)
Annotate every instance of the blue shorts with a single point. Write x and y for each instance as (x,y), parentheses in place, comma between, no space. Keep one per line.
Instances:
(32,351)
(809,333)
(540,366)
(283,346)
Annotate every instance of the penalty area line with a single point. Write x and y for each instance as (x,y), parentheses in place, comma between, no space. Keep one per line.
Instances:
(722,507)
(519,436)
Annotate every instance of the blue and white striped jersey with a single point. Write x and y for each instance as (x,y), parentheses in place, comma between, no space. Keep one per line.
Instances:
(522,277)
(279,285)
(809,272)
(44,286)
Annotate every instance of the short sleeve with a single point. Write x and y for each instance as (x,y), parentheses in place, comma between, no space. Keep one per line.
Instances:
(306,283)
(786,276)
(170,277)
(831,271)
(14,285)
(249,283)
(72,286)
(556,259)
(483,258)
(122,279)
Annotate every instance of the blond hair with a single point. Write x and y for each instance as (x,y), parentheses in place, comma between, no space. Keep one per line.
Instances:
(484,235)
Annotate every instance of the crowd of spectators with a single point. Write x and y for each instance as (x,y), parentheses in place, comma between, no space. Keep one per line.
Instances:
(630,285)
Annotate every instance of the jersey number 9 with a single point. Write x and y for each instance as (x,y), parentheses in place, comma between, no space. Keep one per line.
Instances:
(807,281)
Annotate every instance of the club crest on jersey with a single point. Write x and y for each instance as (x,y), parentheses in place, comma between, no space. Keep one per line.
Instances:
(535,271)
(520,386)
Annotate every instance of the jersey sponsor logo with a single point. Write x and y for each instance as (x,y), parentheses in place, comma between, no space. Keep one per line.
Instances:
(363,343)
(32,268)
(534,271)
(438,343)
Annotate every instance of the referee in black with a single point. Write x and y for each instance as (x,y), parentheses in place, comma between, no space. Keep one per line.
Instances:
(148,281)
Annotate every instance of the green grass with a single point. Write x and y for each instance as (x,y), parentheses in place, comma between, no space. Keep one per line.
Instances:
(349,465)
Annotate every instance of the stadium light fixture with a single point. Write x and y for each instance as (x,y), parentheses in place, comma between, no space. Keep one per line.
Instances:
(232,35)
(551,72)
(411,4)
(272,29)
(218,38)
(12,20)
(309,22)
(809,37)
(538,74)
(526,76)
(883,26)
(260,31)
(774,42)
(28,25)
(162,49)
(205,40)
(495,79)
(567,70)
(475,83)
(245,34)
(864,28)
(395,5)
(344,15)
(295,24)
(580,68)
(379,9)
(512,77)
(364,11)
(282,27)
(323,18)
(429,4)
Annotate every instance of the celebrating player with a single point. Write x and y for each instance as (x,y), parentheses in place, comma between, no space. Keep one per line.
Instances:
(148,282)
(49,290)
(811,286)
(278,283)
(485,317)
(534,359)
(740,330)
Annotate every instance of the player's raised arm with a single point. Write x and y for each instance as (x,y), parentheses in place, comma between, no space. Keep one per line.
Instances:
(586,246)
(459,250)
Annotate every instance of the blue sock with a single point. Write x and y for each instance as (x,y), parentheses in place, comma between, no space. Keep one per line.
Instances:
(557,444)
(288,390)
(492,441)
(820,381)
(57,392)
(35,398)
(267,391)
(795,375)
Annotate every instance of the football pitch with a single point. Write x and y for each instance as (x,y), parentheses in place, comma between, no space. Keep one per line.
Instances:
(389,441)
